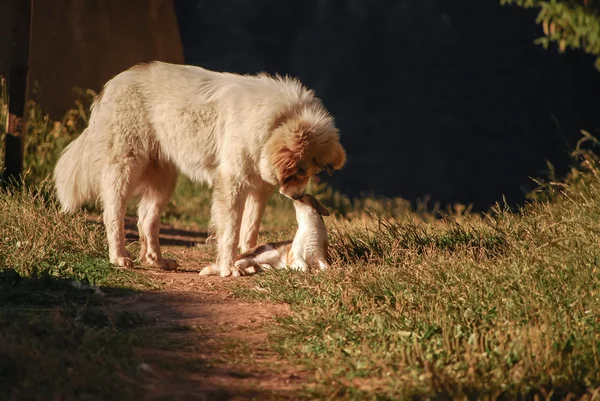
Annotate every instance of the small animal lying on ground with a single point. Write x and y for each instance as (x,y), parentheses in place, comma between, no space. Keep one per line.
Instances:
(306,250)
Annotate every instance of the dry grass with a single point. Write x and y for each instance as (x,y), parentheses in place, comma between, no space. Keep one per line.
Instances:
(37,239)
(504,306)
(3,117)
(44,139)
(59,338)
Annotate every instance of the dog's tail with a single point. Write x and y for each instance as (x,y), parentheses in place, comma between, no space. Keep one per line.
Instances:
(74,174)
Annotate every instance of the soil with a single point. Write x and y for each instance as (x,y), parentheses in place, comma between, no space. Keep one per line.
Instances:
(204,343)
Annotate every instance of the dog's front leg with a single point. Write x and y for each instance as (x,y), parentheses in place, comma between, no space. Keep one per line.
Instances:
(256,202)
(227,210)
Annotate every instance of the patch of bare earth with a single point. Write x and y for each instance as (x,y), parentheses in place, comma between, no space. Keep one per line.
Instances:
(201,342)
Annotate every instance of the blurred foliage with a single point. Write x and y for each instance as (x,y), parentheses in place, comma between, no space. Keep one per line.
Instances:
(571,24)
(45,138)
(3,117)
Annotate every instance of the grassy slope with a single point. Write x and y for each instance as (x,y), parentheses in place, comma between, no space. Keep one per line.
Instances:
(502,306)
(505,305)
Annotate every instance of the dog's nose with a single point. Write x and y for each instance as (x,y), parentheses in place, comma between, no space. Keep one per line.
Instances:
(296,197)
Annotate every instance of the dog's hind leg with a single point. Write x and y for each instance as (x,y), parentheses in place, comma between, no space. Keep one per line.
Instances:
(256,203)
(157,184)
(116,188)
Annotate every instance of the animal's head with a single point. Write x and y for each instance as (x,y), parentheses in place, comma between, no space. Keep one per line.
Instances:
(308,202)
(304,143)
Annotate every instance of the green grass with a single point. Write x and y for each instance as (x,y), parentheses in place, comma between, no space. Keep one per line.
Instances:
(62,342)
(44,138)
(60,339)
(500,306)
(37,239)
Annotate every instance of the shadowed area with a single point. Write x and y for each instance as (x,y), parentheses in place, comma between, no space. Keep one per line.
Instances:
(209,345)
(190,341)
(169,235)
(450,99)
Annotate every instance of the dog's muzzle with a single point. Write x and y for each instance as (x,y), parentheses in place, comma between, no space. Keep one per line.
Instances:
(296,197)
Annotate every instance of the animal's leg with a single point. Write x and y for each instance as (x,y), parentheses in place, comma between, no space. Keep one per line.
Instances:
(256,203)
(263,261)
(249,266)
(297,262)
(323,265)
(270,258)
(228,200)
(295,258)
(157,183)
(116,188)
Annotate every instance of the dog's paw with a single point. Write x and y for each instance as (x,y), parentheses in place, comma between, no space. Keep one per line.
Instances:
(214,270)
(210,270)
(152,259)
(123,262)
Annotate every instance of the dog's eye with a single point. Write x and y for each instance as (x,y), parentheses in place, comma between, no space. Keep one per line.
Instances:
(289,179)
(301,171)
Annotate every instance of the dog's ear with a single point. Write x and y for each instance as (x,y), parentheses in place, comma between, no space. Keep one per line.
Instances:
(330,169)
(319,207)
(334,158)
(286,152)
(285,162)
(337,158)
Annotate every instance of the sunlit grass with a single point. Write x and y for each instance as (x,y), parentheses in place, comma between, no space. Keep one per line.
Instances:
(423,303)
(500,306)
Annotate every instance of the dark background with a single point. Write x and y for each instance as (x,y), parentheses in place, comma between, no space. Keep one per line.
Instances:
(432,97)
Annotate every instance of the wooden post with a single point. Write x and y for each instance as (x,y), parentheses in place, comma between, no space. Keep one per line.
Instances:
(17,91)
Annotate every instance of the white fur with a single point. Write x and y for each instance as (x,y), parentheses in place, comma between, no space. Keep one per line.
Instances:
(310,242)
(308,249)
(155,119)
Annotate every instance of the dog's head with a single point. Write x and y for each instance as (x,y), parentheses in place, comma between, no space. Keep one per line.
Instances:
(304,143)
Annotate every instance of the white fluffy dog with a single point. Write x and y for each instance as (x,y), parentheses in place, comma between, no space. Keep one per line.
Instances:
(244,135)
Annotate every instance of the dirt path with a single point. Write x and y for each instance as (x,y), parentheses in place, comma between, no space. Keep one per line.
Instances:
(205,344)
